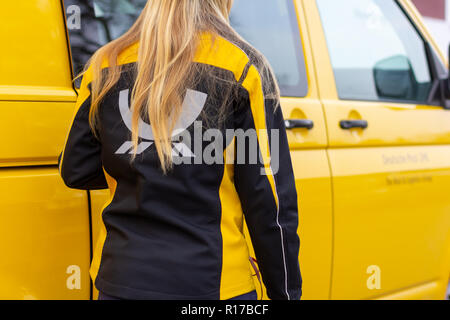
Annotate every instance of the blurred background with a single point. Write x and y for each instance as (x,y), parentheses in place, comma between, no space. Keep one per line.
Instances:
(436,14)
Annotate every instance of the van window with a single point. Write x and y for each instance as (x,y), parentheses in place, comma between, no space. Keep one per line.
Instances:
(269,25)
(375,51)
(94,23)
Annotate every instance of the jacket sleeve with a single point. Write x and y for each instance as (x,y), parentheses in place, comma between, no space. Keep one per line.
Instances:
(267,190)
(80,164)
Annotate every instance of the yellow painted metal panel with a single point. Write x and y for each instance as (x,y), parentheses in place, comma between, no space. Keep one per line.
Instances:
(36,93)
(33,133)
(44,236)
(35,69)
(427,291)
(310,109)
(391,211)
(388,124)
(34,56)
(313,183)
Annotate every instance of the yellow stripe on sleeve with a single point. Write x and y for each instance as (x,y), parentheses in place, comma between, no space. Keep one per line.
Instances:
(253,84)
(96,259)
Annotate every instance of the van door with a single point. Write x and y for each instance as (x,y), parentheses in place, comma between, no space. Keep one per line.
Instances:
(389,150)
(44,227)
(278,30)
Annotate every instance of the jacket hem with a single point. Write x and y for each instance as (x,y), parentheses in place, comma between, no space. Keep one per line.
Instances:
(128,293)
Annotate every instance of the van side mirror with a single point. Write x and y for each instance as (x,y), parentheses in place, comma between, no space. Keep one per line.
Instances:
(440,88)
(394,78)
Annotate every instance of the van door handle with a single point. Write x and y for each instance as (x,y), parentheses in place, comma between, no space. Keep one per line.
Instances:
(299,123)
(350,124)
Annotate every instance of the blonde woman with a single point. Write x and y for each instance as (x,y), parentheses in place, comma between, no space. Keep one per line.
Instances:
(180,118)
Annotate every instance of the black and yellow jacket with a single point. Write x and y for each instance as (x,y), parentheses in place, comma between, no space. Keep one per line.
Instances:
(180,235)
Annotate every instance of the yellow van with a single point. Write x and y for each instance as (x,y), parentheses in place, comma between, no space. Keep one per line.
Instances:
(365,94)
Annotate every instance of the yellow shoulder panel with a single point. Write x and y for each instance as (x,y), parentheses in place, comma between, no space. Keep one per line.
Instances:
(221,53)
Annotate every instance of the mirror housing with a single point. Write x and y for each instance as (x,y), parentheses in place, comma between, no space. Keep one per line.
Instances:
(440,89)
(394,78)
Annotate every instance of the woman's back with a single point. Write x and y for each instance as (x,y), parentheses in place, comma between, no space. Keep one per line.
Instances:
(178,233)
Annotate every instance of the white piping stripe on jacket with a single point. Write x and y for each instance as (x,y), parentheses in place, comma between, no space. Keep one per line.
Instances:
(278,204)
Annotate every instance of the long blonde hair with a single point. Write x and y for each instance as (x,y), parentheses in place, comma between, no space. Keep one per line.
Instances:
(168,34)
